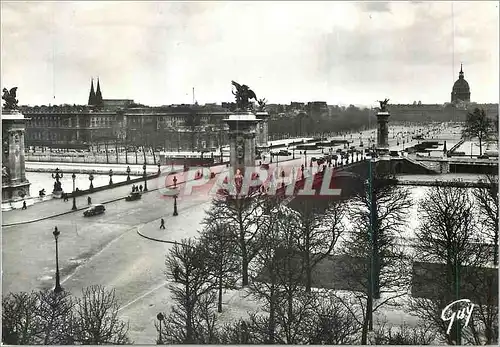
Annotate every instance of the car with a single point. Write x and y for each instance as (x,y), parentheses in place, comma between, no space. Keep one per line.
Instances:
(133,196)
(284,152)
(94,210)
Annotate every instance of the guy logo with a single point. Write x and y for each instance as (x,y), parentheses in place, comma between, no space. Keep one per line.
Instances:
(448,314)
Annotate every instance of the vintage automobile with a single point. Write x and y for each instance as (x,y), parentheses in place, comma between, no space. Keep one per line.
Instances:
(133,196)
(94,210)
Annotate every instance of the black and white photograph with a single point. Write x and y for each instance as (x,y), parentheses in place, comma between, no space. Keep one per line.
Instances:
(250,172)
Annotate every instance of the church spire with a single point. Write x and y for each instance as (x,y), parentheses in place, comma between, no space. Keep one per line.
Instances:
(98,95)
(461,75)
(92,96)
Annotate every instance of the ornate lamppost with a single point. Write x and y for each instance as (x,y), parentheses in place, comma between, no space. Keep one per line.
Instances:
(160,318)
(57,175)
(175,198)
(145,178)
(110,176)
(128,173)
(73,176)
(58,287)
(91,178)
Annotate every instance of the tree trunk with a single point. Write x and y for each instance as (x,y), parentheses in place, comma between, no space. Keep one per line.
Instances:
(153,152)
(116,149)
(495,248)
(480,146)
(219,304)
(106,150)
(307,260)
(136,161)
(272,314)
(144,154)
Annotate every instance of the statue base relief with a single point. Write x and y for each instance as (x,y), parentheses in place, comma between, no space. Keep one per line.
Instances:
(13,195)
(57,194)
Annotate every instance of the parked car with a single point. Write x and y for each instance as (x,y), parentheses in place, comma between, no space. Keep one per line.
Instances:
(133,196)
(284,152)
(94,210)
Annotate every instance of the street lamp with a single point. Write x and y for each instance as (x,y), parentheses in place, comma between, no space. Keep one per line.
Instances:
(58,287)
(91,178)
(175,205)
(58,175)
(128,173)
(305,159)
(159,169)
(160,318)
(145,178)
(74,197)
(110,176)
(175,197)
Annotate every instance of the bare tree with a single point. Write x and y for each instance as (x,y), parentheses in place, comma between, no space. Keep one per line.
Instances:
(478,125)
(191,291)
(487,199)
(222,263)
(333,323)
(317,233)
(422,334)
(239,213)
(96,319)
(265,286)
(37,318)
(450,248)
(56,312)
(374,264)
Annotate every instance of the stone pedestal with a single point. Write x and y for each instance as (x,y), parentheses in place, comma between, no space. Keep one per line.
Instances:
(383,133)
(242,140)
(15,186)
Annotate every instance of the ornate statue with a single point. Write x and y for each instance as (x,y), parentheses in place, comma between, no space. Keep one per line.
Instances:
(5,174)
(262,104)
(10,98)
(243,95)
(383,105)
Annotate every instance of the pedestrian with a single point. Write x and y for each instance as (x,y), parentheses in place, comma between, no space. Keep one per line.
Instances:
(24,205)
(89,201)
(140,188)
(133,188)
(162,224)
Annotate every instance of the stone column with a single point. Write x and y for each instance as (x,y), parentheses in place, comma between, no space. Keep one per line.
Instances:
(383,132)
(14,183)
(242,140)
(263,129)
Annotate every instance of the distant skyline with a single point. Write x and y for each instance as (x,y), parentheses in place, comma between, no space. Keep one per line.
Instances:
(338,52)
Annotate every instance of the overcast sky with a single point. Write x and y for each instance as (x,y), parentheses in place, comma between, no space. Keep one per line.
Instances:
(342,53)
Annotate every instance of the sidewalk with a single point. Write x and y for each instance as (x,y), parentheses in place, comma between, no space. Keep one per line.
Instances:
(56,207)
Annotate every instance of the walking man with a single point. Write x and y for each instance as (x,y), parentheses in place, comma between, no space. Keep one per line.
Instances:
(89,200)
(24,205)
(140,188)
(162,224)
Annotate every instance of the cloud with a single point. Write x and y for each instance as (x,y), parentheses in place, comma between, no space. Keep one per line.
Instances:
(156,52)
(378,6)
